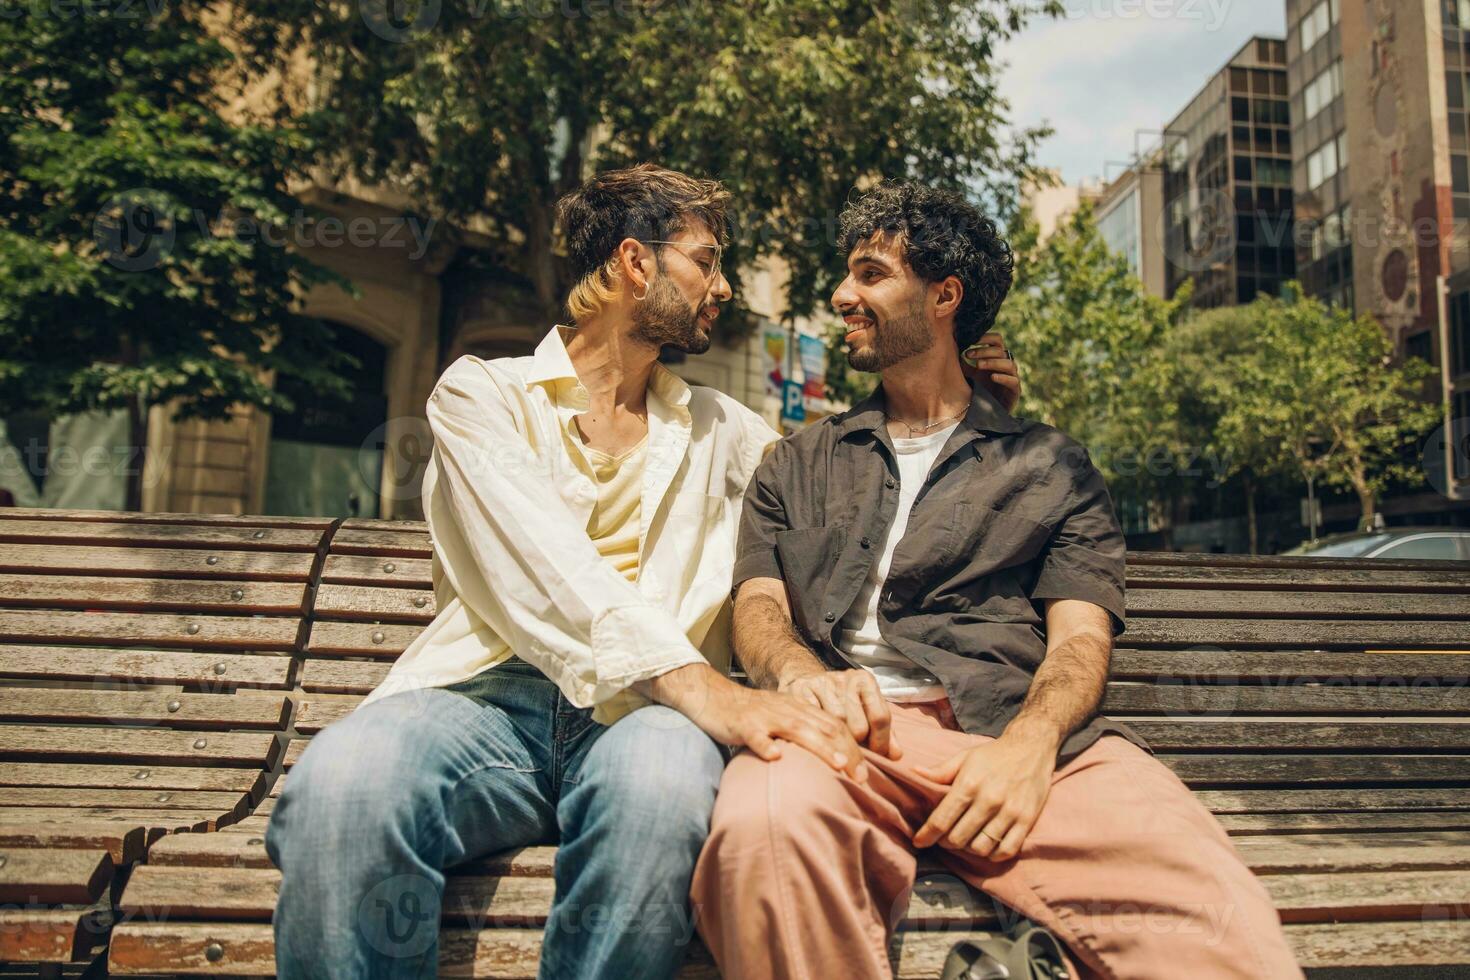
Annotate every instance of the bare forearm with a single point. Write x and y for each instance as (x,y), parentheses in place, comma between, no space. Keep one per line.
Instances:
(767,644)
(1066,690)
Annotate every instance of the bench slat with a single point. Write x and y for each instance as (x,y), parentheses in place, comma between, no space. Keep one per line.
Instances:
(1357,578)
(1290,800)
(123,841)
(72,933)
(1285,633)
(361,639)
(345,676)
(1291,854)
(201,563)
(362,602)
(214,671)
(370,541)
(148,776)
(153,819)
(167,708)
(141,745)
(1214,663)
(1324,735)
(1300,699)
(170,517)
(190,535)
(58,796)
(1316,770)
(53,876)
(1220,602)
(115,592)
(1319,823)
(147,629)
(371,570)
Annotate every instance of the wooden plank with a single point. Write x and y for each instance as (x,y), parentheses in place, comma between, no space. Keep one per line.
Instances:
(361,639)
(211,671)
(1321,823)
(1291,800)
(148,776)
(1218,602)
(1284,633)
(370,541)
(320,710)
(1316,770)
(294,748)
(196,563)
(1292,665)
(378,524)
(123,841)
(160,798)
(53,876)
(159,819)
(150,629)
(1346,698)
(141,534)
(113,744)
(1204,563)
(62,515)
(151,594)
(343,676)
(1360,576)
(362,602)
(1324,735)
(247,949)
(1340,853)
(252,826)
(53,935)
(172,709)
(372,570)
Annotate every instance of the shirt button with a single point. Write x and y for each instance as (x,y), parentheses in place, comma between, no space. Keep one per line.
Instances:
(865,543)
(889,483)
(830,617)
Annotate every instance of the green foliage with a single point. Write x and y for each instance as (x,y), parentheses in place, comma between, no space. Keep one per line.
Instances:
(1090,341)
(134,265)
(498,107)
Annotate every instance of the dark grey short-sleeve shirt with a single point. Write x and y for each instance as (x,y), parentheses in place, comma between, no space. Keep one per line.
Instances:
(1013,513)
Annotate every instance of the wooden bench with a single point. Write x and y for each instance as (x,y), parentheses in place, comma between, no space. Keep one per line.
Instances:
(1318,707)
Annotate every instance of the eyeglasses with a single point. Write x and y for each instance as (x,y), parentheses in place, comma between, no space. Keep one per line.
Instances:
(714,269)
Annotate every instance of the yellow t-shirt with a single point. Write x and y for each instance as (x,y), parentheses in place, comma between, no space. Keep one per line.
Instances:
(616,520)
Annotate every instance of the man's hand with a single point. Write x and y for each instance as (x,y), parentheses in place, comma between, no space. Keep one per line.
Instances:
(986,362)
(758,720)
(853,697)
(996,792)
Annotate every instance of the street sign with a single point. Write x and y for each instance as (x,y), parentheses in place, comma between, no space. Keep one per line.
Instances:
(793,403)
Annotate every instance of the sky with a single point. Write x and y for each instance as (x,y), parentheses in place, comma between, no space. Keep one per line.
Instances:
(1112,67)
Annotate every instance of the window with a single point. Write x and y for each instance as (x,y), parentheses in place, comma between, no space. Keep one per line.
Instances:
(1317,23)
(1322,165)
(1441,546)
(1420,345)
(1322,90)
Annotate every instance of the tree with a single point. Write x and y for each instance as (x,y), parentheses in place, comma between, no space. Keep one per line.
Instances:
(140,260)
(489,111)
(1324,387)
(1091,344)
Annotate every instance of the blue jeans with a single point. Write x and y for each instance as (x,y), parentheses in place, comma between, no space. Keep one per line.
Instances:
(385,799)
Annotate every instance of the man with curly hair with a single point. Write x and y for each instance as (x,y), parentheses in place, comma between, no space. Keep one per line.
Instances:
(948,580)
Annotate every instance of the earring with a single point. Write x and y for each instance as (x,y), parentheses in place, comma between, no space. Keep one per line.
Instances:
(640,299)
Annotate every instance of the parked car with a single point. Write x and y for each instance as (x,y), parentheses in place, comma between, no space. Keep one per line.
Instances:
(1393,542)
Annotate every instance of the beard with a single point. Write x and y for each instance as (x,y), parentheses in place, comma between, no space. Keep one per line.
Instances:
(664,319)
(901,337)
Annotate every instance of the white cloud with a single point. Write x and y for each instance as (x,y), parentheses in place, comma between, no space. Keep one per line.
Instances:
(1111,68)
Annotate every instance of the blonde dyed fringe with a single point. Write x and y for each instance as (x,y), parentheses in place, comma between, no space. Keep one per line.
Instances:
(594,293)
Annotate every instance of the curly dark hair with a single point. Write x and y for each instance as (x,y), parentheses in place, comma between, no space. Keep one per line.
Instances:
(942,235)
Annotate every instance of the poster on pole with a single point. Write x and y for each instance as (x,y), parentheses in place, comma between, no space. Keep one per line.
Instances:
(773,358)
(814,366)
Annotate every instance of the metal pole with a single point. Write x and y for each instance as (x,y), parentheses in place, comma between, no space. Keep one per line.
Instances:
(1446,387)
(1311,508)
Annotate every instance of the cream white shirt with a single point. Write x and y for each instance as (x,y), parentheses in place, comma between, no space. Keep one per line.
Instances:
(514,570)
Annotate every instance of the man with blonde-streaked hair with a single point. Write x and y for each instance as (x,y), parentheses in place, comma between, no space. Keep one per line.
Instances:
(573,686)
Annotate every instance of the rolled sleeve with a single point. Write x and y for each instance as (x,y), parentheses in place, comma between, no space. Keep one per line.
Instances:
(1085,558)
(763,514)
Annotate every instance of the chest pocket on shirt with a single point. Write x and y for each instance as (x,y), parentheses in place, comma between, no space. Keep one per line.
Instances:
(984,540)
(702,508)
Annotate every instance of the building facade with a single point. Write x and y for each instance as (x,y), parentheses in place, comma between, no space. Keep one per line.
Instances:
(1130,211)
(1227,218)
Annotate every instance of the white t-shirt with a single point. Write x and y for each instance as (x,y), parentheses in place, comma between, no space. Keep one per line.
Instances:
(858,639)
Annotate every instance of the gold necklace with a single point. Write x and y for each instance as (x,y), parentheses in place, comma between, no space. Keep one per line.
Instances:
(927,426)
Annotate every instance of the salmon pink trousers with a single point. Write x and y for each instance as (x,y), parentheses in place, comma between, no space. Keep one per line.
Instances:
(807,872)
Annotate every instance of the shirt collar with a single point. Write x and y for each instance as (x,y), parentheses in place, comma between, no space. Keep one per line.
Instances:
(552,363)
(984,414)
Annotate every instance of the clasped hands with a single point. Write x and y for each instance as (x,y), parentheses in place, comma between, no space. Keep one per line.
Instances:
(996,790)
